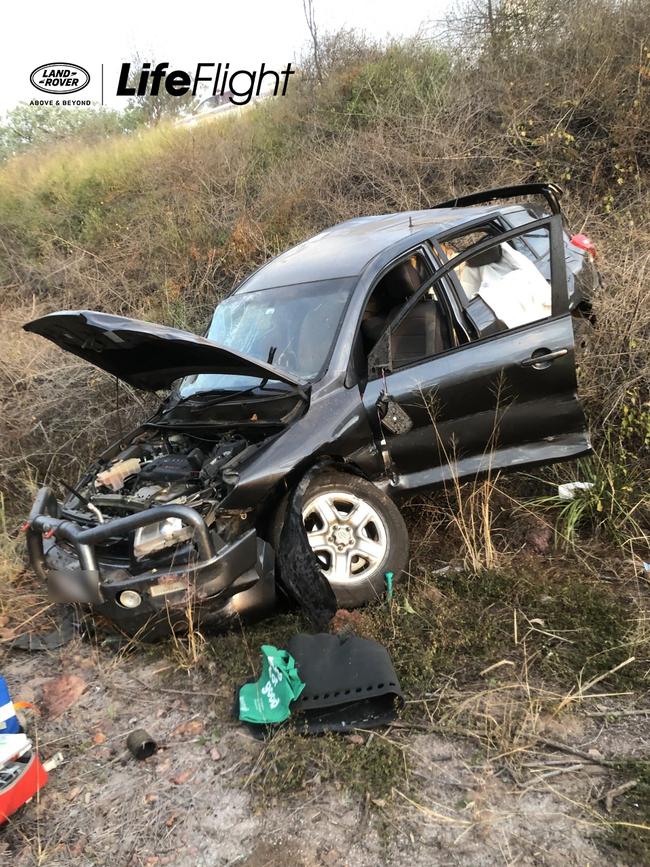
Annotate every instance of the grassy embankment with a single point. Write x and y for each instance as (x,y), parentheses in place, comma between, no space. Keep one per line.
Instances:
(161,224)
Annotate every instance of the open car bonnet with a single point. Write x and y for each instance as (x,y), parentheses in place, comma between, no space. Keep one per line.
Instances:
(143,354)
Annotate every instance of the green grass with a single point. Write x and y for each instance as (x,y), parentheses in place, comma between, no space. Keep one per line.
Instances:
(617,506)
(471,624)
(368,767)
(631,809)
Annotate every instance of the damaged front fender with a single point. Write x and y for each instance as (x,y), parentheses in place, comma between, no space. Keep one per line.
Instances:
(337,426)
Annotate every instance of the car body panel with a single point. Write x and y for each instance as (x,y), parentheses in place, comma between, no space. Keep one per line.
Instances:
(473,404)
(347,249)
(477,401)
(143,354)
(336,426)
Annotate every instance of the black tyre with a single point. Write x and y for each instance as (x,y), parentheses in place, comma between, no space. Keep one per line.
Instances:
(357,533)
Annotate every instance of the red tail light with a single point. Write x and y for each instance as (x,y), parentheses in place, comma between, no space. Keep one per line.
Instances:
(584,243)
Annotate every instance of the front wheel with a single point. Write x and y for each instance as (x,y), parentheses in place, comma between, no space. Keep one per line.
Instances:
(357,534)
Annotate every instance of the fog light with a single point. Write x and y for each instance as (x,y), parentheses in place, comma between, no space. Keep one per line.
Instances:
(129,599)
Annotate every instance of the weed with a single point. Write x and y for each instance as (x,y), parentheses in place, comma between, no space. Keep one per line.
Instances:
(469,505)
(188,644)
(236,654)
(10,559)
(617,503)
(631,810)
(492,654)
(368,766)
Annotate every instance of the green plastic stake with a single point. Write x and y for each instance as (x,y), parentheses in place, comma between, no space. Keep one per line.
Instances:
(389,585)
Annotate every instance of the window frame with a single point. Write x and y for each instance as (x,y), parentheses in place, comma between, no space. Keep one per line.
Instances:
(506,223)
(559,288)
(422,249)
(559,292)
(418,249)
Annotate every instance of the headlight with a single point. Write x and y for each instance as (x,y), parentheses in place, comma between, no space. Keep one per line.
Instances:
(162,534)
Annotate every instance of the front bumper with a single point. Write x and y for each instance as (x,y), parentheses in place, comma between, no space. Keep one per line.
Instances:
(237,577)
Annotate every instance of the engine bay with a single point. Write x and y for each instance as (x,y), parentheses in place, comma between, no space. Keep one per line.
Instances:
(160,468)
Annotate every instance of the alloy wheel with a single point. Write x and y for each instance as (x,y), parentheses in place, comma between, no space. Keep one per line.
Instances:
(347,534)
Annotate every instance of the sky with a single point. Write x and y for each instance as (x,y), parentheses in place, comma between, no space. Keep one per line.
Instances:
(244,33)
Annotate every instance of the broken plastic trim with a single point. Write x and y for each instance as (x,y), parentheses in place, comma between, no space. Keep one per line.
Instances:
(350,682)
(66,629)
(299,574)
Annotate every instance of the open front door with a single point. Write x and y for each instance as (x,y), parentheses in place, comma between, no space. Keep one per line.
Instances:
(504,398)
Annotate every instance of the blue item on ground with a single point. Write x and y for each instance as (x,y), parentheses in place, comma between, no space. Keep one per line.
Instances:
(8,720)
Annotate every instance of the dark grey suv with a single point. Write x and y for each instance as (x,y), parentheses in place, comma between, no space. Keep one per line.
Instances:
(402,350)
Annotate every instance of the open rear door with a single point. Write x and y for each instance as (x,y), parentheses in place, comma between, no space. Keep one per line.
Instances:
(551,192)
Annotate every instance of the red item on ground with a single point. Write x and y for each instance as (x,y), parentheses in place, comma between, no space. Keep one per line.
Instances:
(24,787)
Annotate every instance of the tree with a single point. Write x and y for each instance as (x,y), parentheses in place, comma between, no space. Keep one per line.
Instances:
(27,126)
(310,17)
(151,110)
(503,25)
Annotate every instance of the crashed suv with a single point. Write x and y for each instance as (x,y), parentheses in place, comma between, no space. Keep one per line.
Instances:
(390,352)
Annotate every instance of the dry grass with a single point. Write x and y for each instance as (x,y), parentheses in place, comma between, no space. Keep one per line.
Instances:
(188,646)
(510,645)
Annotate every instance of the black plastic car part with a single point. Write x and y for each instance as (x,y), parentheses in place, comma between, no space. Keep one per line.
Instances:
(169,468)
(141,745)
(300,575)
(350,682)
(220,455)
(551,192)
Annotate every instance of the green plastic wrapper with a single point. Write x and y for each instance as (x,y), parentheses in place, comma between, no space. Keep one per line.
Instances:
(269,699)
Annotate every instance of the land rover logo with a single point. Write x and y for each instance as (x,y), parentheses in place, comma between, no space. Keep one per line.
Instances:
(59,78)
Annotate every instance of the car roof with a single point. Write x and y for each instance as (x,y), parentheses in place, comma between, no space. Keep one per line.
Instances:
(344,250)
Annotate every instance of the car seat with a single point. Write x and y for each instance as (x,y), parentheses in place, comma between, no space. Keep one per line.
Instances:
(421,334)
(509,283)
(388,297)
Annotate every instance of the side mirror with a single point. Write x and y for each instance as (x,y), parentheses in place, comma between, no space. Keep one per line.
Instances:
(380,356)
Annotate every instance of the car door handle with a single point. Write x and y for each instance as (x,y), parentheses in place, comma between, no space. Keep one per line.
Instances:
(541,358)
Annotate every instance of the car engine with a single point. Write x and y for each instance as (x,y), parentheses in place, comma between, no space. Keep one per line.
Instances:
(155,469)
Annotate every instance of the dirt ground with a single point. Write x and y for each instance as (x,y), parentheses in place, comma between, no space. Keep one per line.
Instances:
(192,803)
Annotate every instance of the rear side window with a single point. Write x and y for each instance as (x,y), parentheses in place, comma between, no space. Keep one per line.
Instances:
(464,242)
(535,243)
(508,286)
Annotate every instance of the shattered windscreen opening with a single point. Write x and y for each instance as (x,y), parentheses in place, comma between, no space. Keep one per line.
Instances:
(292,327)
